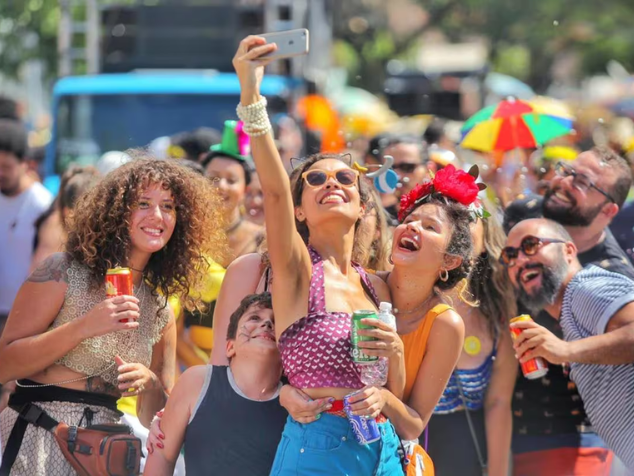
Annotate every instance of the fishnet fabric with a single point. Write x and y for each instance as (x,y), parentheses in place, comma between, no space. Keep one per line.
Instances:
(39,453)
(96,354)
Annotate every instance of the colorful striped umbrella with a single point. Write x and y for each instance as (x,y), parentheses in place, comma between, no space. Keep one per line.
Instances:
(514,124)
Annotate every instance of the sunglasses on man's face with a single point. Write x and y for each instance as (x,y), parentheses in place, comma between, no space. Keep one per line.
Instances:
(406,168)
(529,246)
(344,177)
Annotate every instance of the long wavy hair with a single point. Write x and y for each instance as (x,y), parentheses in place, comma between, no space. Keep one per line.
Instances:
(99,236)
(376,256)
(489,283)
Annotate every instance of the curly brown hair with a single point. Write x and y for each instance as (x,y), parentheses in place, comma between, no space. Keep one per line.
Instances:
(99,236)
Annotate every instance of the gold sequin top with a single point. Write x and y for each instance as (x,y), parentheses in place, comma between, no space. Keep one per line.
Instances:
(96,354)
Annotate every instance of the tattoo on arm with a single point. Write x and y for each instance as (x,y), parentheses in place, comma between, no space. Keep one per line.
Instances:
(52,268)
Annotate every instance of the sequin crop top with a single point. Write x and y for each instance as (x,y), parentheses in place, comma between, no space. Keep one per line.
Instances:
(474,383)
(315,350)
(96,354)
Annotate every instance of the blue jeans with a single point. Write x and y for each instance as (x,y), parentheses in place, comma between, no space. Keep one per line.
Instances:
(328,447)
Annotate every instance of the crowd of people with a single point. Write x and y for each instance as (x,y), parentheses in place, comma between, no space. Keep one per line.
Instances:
(233,355)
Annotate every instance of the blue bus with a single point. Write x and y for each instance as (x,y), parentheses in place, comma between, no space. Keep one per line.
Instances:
(96,114)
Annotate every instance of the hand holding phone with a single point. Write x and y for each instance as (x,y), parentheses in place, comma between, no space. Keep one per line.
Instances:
(289,43)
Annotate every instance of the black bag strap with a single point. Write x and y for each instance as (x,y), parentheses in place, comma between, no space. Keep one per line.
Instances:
(474,437)
(27,413)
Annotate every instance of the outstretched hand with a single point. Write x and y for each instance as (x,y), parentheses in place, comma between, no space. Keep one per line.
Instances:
(249,66)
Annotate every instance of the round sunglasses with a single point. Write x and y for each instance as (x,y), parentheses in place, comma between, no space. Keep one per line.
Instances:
(530,245)
(344,177)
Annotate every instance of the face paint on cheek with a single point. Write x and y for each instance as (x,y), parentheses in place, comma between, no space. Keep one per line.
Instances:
(244,332)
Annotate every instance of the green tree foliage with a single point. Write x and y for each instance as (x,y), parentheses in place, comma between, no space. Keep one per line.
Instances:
(598,31)
(525,37)
(28,30)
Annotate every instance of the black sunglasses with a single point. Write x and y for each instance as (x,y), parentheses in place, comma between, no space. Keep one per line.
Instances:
(530,245)
(580,181)
(406,168)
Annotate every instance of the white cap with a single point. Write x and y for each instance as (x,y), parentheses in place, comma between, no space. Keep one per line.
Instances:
(111,160)
(385,306)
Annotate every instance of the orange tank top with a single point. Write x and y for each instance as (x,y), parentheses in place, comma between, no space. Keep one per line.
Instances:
(415,344)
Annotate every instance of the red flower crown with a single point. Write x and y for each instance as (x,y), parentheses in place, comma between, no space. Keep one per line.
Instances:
(449,182)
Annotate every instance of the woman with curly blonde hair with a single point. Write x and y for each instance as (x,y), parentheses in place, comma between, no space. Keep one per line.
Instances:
(72,351)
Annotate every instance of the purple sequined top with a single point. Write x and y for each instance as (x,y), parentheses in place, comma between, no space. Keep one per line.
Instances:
(315,349)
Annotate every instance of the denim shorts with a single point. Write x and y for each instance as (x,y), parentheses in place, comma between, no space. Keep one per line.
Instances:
(328,447)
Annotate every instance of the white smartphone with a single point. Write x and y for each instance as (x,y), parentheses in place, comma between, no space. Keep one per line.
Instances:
(289,43)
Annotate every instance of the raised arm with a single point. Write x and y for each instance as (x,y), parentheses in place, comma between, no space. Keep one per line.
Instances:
(288,254)
(241,279)
(26,347)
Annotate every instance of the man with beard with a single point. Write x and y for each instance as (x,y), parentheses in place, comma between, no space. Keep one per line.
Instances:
(585,196)
(549,416)
(595,309)
(22,201)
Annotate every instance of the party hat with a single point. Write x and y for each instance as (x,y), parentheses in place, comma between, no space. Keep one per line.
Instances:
(234,144)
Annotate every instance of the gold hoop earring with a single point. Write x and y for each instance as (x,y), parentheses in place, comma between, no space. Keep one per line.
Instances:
(444,277)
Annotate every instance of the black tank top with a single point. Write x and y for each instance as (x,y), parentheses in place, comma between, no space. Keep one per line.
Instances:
(230,434)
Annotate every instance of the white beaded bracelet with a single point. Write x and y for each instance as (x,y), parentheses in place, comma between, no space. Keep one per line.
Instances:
(255,118)
(257,133)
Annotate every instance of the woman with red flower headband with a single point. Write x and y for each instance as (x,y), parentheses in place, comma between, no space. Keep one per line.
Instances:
(431,253)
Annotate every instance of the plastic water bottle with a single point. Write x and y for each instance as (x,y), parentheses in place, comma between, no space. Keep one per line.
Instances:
(375,374)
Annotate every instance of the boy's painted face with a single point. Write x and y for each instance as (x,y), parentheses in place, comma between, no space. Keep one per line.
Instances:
(256,332)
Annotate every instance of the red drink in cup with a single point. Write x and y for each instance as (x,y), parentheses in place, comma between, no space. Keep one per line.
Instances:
(119,283)
(536,367)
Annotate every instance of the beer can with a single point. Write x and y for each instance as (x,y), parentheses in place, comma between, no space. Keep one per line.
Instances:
(358,356)
(119,283)
(366,430)
(536,367)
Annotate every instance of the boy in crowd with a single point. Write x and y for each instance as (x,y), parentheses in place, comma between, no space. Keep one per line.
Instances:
(228,418)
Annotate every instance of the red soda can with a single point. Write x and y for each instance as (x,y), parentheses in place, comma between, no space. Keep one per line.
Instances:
(119,283)
(536,367)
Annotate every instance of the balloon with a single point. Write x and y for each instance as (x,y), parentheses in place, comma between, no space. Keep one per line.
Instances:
(386,182)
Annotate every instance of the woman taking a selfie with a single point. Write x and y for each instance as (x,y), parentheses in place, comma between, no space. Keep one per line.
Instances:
(316,287)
